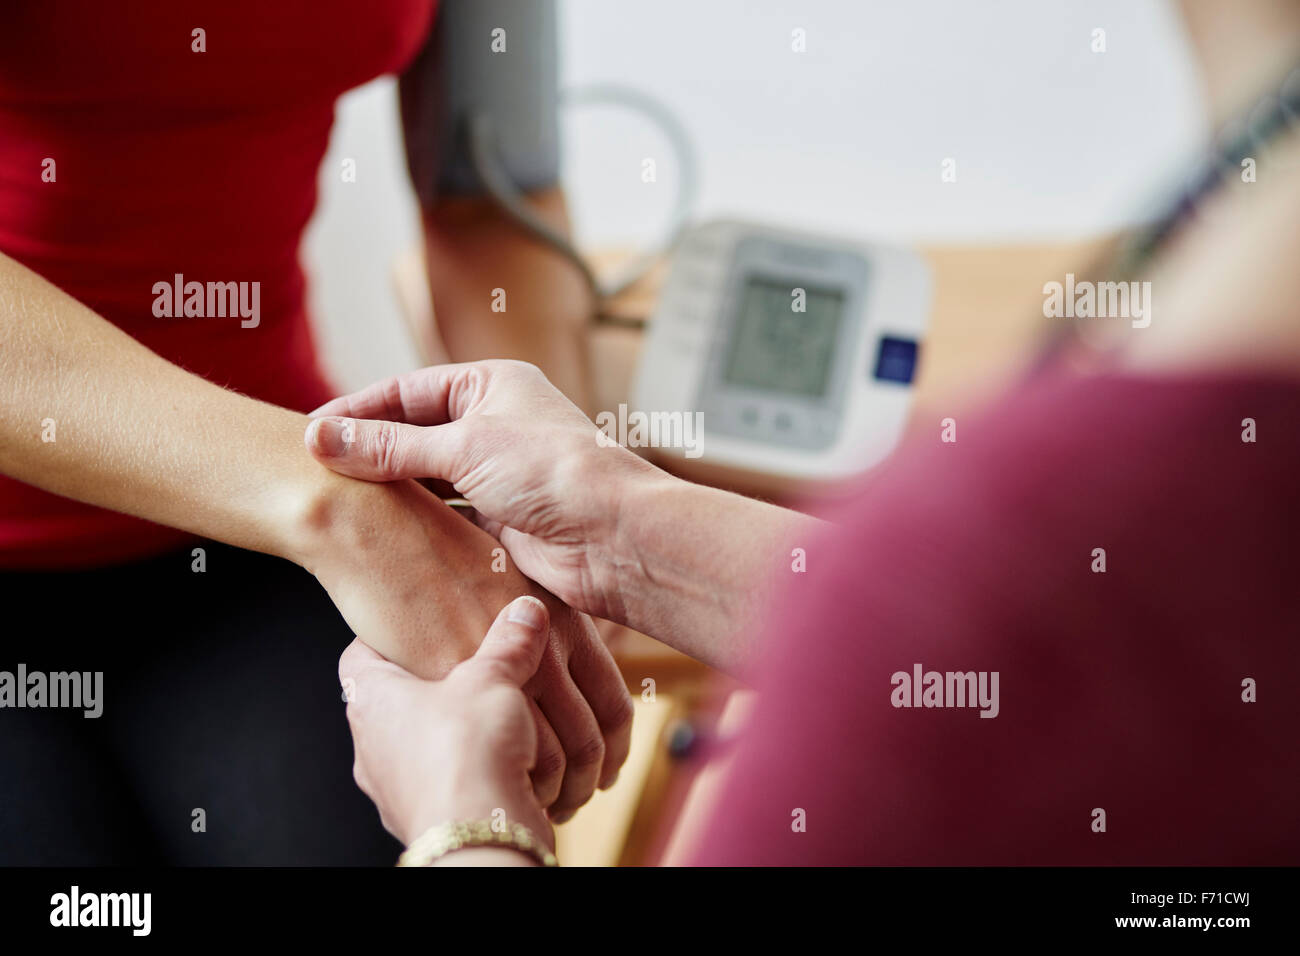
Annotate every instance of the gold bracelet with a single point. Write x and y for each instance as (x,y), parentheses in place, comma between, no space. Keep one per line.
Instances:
(437,841)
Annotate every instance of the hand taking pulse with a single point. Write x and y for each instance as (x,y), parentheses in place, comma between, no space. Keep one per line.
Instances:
(600,528)
(467,742)
(521,453)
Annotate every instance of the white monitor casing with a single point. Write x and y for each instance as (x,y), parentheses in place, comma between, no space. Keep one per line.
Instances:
(860,417)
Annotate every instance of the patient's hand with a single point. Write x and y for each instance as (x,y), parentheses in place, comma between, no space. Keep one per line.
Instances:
(417,582)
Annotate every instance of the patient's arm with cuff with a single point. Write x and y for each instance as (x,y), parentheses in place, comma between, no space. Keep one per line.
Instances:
(497,291)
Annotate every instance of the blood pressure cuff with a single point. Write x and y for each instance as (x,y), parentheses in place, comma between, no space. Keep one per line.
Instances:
(491,58)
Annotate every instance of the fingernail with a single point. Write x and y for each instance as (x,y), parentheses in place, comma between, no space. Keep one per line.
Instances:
(527,611)
(329,438)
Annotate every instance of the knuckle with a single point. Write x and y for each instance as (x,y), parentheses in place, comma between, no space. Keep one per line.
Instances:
(619,716)
(551,763)
(587,752)
(384,448)
(519,369)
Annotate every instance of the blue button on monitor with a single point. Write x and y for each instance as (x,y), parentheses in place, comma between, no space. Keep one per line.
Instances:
(896,360)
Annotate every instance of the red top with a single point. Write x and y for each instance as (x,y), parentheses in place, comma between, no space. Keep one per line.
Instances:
(1119,691)
(168,161)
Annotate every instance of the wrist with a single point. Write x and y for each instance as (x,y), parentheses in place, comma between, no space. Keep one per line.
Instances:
(627,545)
(503,806)
(337,523)
(689,562)
(480,842)
(470,793)
(322,511)
(616,477)
(407,573)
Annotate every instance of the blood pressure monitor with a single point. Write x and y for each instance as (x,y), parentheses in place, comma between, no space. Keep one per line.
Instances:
(797,352)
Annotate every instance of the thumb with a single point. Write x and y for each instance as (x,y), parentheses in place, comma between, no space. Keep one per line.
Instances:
(382,451)
(514,643)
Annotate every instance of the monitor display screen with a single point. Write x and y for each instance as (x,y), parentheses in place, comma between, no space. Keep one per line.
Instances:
(777,347)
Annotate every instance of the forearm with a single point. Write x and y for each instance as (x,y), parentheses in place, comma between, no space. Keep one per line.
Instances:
(541,312)
(134,433)
(692,565)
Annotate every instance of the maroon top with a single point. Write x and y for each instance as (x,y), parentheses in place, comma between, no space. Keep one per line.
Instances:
(1120,690)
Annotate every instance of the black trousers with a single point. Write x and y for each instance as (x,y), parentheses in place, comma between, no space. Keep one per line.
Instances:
(223,739)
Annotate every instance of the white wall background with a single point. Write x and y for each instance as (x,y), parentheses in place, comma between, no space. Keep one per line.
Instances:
(1050,139)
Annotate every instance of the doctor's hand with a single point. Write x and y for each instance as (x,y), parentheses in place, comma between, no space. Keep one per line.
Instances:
(539,474)
(457,749)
